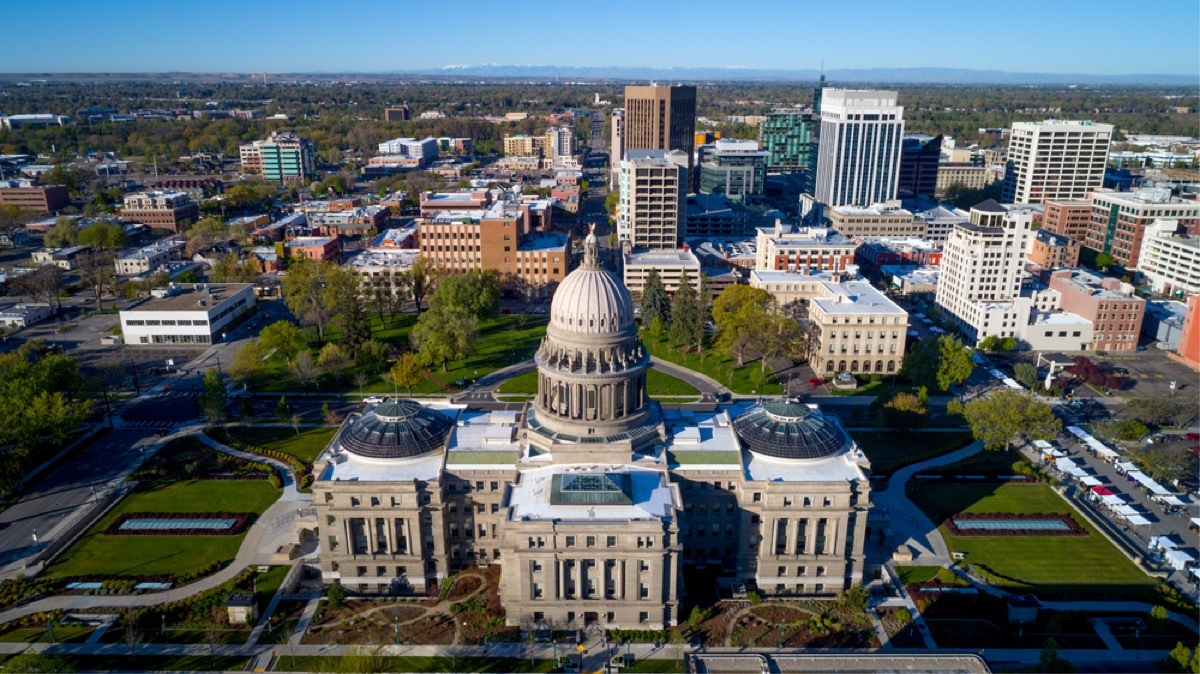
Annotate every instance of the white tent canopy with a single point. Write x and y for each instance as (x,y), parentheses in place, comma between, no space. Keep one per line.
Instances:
(1127,466)
(1196,521)
(1145,480)
(1137,520)
(1112,500)
(1171,500)
(1162,542)
(1125,511)
(1089,481)
(1064,464)
(1178,559)
(1091,442)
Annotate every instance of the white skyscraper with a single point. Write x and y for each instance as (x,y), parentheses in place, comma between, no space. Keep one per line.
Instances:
(982,264)
(653,186)
(616,147)
(1055,160)
(858,158)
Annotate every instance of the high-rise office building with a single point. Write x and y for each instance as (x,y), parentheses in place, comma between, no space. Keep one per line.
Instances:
(660,118)
(283,157)
(560,142)
(616,146)
(919,156)
(1055,160)
(399,113)
(653,186)
(735,168)
(814,148)
(1120,219)
(858,161)
(788,136)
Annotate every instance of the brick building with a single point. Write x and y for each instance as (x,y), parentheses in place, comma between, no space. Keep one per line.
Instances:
(1052,251)
(34,198)
(1068,217)
(159,210)
(1113,310)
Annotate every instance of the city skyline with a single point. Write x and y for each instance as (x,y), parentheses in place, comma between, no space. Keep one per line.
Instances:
(148,39)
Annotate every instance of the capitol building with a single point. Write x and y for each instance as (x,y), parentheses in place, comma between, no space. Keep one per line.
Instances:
(593,498)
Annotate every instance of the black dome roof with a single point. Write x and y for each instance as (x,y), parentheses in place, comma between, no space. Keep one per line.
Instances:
(395,430)
(790,430)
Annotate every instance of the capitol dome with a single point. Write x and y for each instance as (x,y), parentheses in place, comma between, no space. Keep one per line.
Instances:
(397,429)
(591,301)
(790,430)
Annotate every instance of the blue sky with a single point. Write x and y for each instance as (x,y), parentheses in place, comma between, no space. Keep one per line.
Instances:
(1060,36)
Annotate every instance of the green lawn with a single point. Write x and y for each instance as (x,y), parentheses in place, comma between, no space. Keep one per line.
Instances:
(97,553)
(717,365)
(923,574)
(1053,565)
(657,384)
(890,452)
(503,340)
(63,634)
(139,663)
(305,446)
(380,663)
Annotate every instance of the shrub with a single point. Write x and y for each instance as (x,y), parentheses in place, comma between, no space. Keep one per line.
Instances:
(754,598)
(336,596)
(903,615)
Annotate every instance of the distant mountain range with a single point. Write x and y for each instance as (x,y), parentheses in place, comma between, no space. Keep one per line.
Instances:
(835,77)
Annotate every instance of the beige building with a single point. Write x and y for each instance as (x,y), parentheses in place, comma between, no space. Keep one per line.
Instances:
(1055,160)
(965,176)
(592,498)
(855,328)
(877,220)
(653,190)
(522,145)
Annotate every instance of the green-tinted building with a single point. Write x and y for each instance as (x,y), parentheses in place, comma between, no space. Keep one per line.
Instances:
(788,136)
(284,157)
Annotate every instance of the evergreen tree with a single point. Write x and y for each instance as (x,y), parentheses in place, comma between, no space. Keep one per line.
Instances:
(213,397)
(655,301)
(685,313)
(704,302)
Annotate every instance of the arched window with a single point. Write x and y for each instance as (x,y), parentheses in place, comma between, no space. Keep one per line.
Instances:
(891,366)
(866,366)
(854,366)
(841,366)
(829,366)
(879,366)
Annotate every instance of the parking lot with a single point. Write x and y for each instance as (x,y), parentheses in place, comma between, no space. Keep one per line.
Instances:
(1147,373)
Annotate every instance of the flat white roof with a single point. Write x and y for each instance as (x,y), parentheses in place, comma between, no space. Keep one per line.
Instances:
(650,493)
(858,297)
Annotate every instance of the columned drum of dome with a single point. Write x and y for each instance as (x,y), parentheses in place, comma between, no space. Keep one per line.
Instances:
(790,430)
(591,364)
(396,430)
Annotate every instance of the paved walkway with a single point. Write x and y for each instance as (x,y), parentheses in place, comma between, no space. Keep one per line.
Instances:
(257,548)
(907,522)
(305,618)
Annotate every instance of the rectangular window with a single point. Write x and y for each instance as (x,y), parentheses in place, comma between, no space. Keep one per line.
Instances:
(570,541)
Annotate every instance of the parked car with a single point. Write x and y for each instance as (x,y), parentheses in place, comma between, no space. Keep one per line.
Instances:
(1194,437)
(815,382)
(372,400)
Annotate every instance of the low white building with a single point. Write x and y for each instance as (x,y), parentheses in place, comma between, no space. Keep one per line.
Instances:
(150,258)
(671,266)
(1057,331)
(191,313)
(1170,260)
(63,258)
(800,285)
(25,315)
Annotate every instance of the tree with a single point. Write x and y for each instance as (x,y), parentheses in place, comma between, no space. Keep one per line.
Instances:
(704,300)
(333,360)
(685,314)
(304,370)
(1051,660)
(1158,410)
(478,292)
(247,366)
(103,235)
(655,301)
(406,372)
(780,336)
(611,200)
(282,409)
(998,418)
(419,279)
(372,355)
(344,299)
(903,412)
(1180,659)
(232,268)
(1104,261)
(1026,375)
(954,362)
(64,233)
(444,334)
(12,218)
(96,271)
(282,338)
(213,397)
(304,292)
(42,285)
(744,316)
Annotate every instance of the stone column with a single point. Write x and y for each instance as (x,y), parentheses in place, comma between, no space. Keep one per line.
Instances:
(560,580)
(812,535)
(578,578)
(794,544)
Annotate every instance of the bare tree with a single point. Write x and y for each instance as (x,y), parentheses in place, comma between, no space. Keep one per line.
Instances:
(304,370)
(97,272)
(42,285)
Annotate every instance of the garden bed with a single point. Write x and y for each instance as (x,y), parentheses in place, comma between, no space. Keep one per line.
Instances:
(1013,524)
(191,524)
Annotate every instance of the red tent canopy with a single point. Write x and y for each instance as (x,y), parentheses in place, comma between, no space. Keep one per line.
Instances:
(1102,491)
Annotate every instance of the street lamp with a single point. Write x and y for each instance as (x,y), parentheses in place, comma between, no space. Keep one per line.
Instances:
(36,546)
